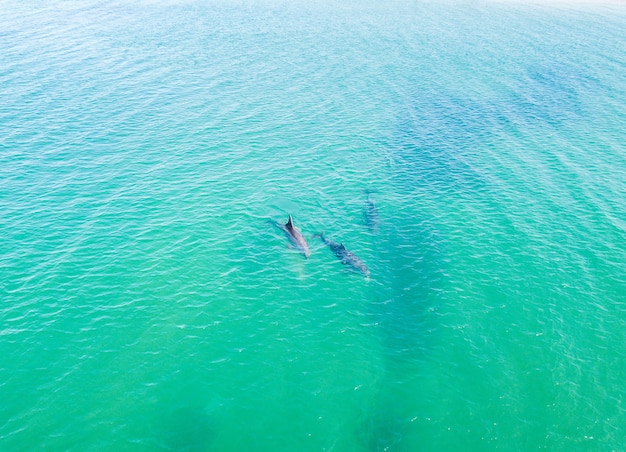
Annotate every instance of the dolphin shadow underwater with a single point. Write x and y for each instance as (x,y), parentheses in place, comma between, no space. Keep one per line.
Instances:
(295,236)
(346,257)
(370,213)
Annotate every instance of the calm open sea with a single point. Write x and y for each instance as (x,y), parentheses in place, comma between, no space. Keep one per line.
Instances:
(149,302)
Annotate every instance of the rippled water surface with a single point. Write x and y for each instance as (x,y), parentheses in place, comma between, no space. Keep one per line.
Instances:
(149,302)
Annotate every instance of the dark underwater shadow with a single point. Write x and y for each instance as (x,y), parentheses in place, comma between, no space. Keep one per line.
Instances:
(437,150)
(431,148)
(433,145)
(410,274)
(186,428)
(438,139)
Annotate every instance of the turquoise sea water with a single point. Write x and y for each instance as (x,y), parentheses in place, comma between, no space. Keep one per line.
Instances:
(147,302)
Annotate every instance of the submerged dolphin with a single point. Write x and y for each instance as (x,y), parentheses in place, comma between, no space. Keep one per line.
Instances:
(346,257)
(295,236)
(370,213)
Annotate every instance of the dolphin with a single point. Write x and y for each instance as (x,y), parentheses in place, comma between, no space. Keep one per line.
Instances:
(371,213)
(295,236)
(346,257)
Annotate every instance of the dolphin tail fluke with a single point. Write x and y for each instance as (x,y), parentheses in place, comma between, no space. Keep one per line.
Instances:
(320,236)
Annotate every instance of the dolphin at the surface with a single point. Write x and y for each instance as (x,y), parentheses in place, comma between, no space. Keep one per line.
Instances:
(346,257)
(370,213)
(296,237)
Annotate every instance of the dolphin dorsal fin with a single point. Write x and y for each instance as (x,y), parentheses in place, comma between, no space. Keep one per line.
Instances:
(289,223)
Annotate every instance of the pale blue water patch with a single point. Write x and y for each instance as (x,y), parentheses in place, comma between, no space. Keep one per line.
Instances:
(150,303)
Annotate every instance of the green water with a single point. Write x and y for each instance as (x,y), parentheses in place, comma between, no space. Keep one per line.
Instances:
(149,302)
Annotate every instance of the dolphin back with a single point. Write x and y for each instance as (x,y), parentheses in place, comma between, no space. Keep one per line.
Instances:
(296,237)
(346,257)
